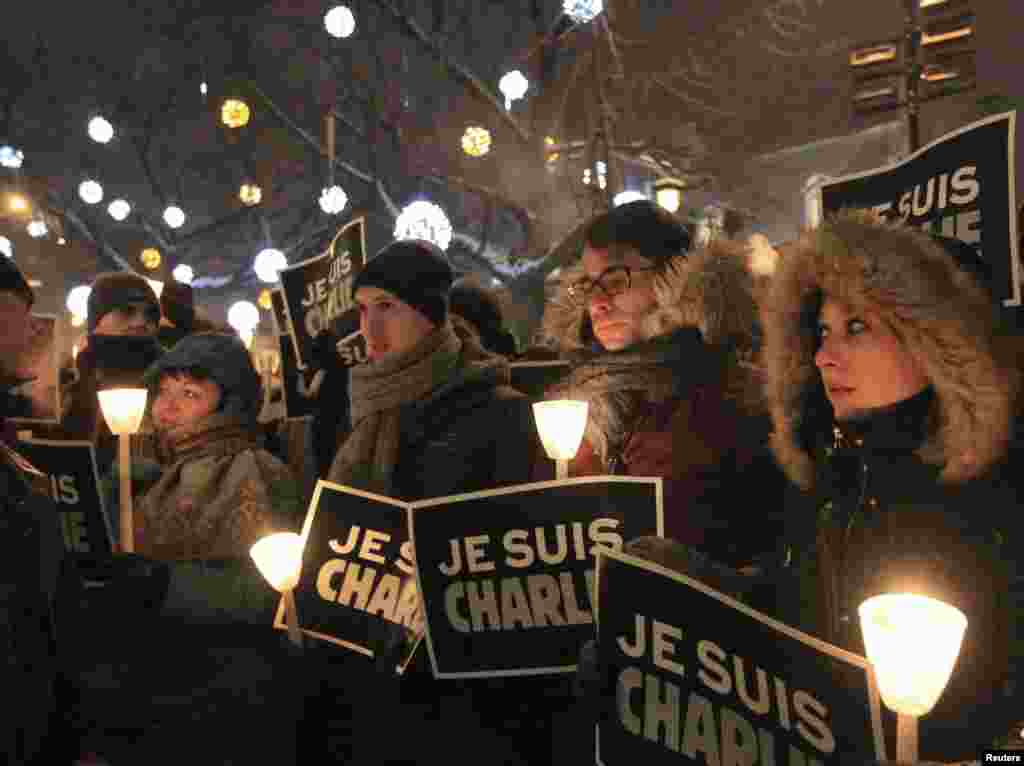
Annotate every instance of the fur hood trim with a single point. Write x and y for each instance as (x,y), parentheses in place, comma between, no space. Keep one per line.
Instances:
(943,317)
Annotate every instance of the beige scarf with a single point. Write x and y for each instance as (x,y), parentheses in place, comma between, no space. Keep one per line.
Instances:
(377,391)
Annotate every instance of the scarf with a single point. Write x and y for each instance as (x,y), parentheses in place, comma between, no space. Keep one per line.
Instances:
(377,393)
(620,384)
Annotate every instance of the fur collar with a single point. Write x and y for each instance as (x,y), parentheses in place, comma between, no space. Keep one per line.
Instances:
(944,318)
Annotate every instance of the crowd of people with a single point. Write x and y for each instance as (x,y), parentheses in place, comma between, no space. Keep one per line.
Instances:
(845,430)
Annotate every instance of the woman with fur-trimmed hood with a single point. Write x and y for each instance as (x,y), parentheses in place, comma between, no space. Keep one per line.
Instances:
(660,345)
(892,411)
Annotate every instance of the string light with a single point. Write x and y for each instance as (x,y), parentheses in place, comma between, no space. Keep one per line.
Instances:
(6,247)
(100,130)
(18,203)
(235,113)
(243,316)
(11,157)
(582,11)
(78,300)
(424,220)
(174,216)
(250,194)
(513,86)
(37,228)
(119,209)
(340,22)
(333,200)
(476,141)
(150,258)
(265,300)
(90,191)
(183,273)
(268,262)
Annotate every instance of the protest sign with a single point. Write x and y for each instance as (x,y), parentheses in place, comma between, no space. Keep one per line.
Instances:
(75,488)
(507,575)
(959,186)
(38,400)
(279,313)
(702,678)
(358,588)
(298,403)
(317,290)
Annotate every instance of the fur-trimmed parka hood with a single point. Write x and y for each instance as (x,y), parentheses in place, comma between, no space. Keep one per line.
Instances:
(940,313)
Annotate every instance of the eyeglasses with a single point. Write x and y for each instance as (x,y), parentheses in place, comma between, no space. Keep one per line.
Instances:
(613,281)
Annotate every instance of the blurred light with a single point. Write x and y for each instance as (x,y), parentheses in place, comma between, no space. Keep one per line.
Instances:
(938,73)
(265,301)
(250,194)
(340,22)
(513,86)
(762,258)
(582,11)
(11,157)
(18,203)
(174,216)
(100,129)
(203,89)
(183,273)
(37,228)
(78,300)
(945,37)
(90,191)
(625,197)
(235,113)
(333,200)
(158,287)
(150,258)
(560,425)
(119,209)
(243,316)
(6,247)
(476,141)
(873,55)
(424,220)
(61,241)
(668,192)
(77,320)
(268,262)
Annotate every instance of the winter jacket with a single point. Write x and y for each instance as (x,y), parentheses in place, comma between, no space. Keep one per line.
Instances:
(914,496)
(708,436)
(30,563)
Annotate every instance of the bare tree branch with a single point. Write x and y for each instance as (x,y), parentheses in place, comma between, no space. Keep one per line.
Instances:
(460,72)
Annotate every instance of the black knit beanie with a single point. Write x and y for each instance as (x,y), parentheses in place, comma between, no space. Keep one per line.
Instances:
(114,290)
(13,280)
(413,270)
(651,230)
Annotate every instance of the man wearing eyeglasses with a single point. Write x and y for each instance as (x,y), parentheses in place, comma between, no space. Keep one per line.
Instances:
(659,341)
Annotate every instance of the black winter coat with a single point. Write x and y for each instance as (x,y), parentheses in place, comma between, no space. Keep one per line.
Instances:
(880,521)
(31,552)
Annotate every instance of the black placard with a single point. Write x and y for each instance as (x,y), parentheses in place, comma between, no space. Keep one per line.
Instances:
(960,186)
(702,678)
(358,588)
(75,489)
(317,290)
(507,574)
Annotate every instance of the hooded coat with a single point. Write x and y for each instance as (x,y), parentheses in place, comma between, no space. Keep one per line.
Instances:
(911,496)
(695,417)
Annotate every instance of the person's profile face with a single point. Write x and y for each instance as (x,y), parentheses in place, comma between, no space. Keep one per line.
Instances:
(863,364)
(17,332)
(389,325)
(618,301)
